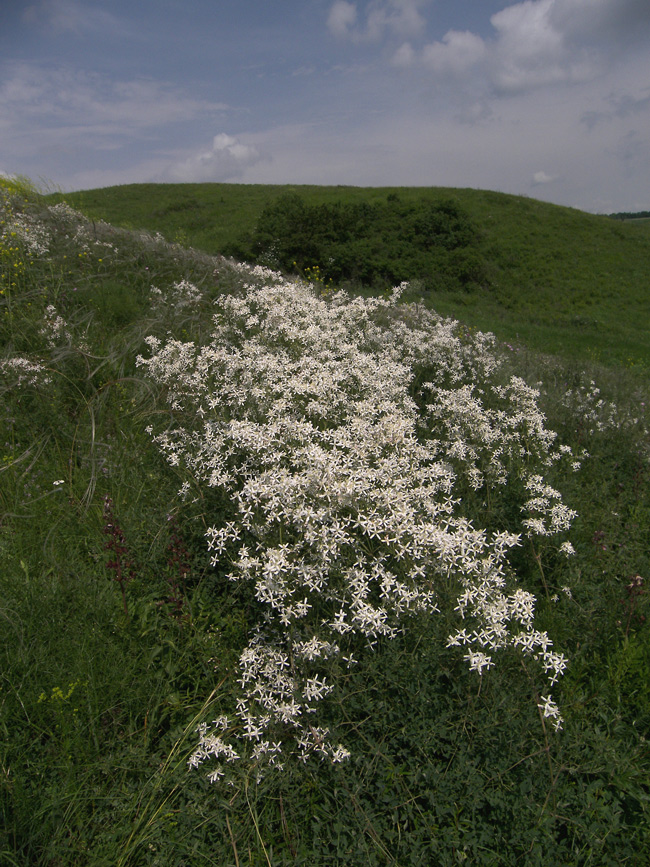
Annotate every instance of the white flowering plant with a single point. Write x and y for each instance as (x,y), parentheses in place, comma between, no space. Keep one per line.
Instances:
(342,432)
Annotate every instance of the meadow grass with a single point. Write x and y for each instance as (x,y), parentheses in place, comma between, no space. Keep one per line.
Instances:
(102,690)
(559,280)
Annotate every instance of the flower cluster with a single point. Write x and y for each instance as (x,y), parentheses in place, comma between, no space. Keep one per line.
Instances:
(23,371)
(54,328)
(595,413)
(343,474)
(182,295)
(30,233)
(65,213)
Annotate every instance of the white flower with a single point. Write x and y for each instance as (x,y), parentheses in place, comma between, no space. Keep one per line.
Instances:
(550,711)
(348,487)
(25,371)
(478,661)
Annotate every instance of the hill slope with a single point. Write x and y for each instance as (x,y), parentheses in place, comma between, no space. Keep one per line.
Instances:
(557,279)
(369,457)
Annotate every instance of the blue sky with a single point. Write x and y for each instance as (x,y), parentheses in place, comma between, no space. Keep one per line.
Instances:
(547,98)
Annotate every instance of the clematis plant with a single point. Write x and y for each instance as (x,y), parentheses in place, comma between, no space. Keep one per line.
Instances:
(343,431)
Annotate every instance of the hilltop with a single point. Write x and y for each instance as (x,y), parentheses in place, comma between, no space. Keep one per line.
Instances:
(554,278)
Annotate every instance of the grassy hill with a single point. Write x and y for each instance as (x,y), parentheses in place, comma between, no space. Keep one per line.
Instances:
(183,438)
(556,279)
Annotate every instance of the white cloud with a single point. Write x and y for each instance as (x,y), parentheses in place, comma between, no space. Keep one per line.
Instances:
(459,52)
(342,18)
(543,178)
(227,159)
(404,56)
(78,127)
(531,50)
(401,18)
(618,107)
(59,99)
(536,43)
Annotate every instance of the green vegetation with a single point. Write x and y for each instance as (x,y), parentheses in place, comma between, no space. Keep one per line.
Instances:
(552,278)
(117,636)
(631,215)
(370,246)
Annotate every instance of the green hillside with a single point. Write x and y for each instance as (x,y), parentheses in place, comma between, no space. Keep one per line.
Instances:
(296,578)
(555,279)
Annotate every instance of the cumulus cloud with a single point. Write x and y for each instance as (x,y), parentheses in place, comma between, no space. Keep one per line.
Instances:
(459,52)
(401,18)
(226,160)
(535,43)
(531,50)
(542,178)
(342,18)
(404,56)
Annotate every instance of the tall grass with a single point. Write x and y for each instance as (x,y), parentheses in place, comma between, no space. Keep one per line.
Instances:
(101,692)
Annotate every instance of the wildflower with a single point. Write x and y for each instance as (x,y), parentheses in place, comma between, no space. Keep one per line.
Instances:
(478,661)
(54,327)
(550,711)
(346,492)
(25,371)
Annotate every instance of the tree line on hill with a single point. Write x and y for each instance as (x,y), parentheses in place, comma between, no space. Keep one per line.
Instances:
(367,245)
(626,215)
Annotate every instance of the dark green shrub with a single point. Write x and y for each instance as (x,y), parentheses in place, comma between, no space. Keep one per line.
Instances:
(378,245)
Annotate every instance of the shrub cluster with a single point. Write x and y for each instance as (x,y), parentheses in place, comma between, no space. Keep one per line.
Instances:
(376,245)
